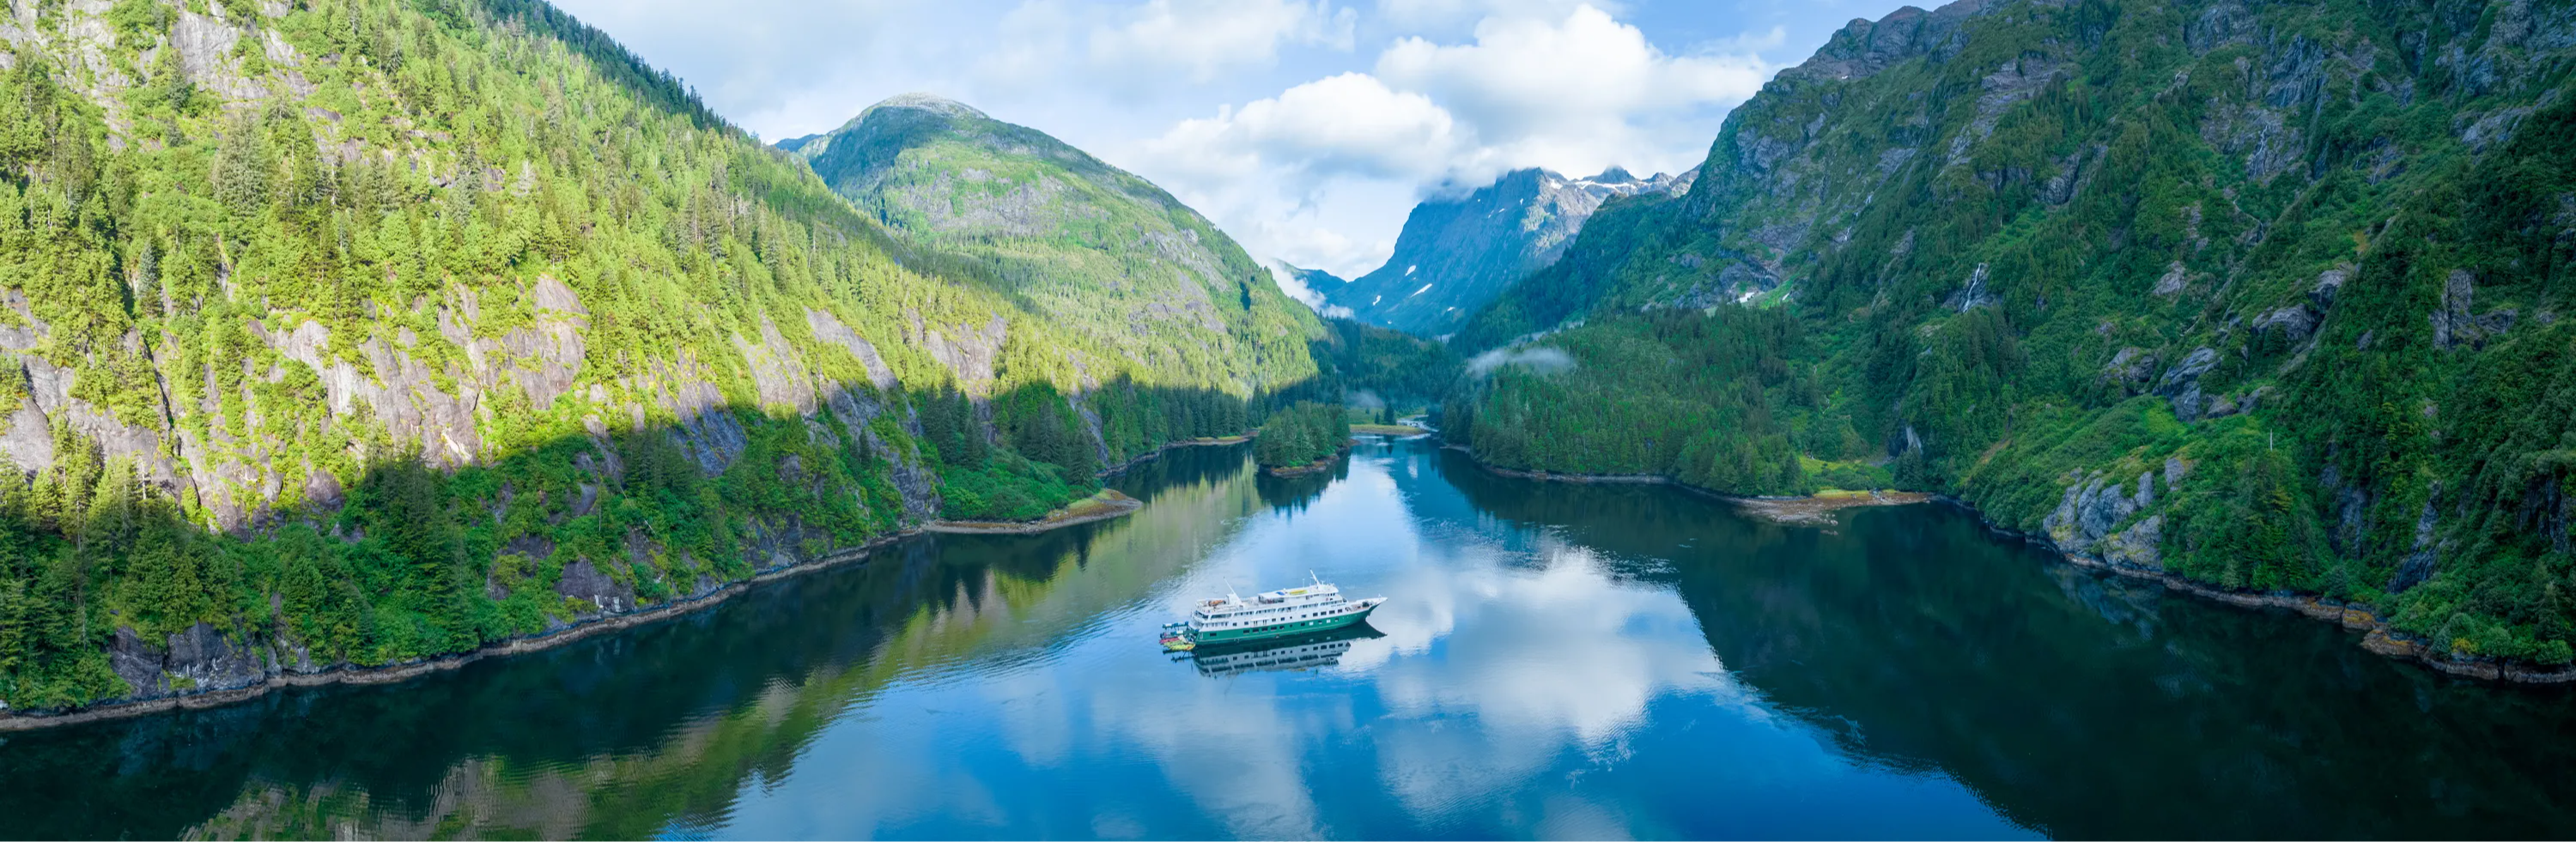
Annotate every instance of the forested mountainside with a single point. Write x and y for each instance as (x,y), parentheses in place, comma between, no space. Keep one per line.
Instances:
(352,332)
(1370,367)
(2268,295)
(1456,254)
(1098,250)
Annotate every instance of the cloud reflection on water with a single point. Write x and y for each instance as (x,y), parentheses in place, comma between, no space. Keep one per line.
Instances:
(1496,663)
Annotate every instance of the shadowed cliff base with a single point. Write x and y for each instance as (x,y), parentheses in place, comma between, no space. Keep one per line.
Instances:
(620,735)
(113,593)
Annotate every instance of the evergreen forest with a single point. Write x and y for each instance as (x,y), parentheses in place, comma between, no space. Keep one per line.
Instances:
(2272,297)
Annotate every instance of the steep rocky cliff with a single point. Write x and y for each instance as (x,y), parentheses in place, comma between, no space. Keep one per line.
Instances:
(360,332)
(1455,254)
(2268,295)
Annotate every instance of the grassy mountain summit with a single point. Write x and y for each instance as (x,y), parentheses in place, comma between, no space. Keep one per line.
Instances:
(1095,248)
(357,332)
(2270,296)
(1456,254)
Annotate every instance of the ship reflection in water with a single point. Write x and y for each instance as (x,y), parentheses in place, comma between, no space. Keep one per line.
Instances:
(1296,653)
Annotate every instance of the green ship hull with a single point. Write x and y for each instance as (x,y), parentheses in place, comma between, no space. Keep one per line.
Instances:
(1205,638)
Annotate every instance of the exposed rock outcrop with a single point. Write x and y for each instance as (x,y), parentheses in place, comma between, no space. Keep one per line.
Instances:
(198,660)
(2093,509)
(2181,383)
(2131,369)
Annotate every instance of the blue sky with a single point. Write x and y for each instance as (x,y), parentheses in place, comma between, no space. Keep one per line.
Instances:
(1305,128)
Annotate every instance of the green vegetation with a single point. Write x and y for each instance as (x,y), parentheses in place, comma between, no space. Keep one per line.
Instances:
(1709,400)
(1366,364)
(1301,435)
(1109,257)
(376,330)
(2272,299)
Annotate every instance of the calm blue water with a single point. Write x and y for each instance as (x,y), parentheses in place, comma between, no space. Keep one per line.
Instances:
(1553,661)
(1524,685)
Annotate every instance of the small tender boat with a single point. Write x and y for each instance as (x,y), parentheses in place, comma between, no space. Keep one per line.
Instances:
(1176,638)
(1312,608)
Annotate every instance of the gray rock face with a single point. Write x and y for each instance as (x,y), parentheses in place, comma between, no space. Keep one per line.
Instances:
(777,374)
(28,331)
(322,490)
(50,390)
(2329,284)
(205,47)
(829,328)
(2454,325)
(29,441)
(2192,405)
(2182,382)
(2091,510)
(2175,279)
(2451,322)
(2496,322)
(2352,508)
(584,581)
(2425,559)
(912,478)
(715,438)
(970,354)
(2140,545)
(197,660)
(2292,324)
(2131,369)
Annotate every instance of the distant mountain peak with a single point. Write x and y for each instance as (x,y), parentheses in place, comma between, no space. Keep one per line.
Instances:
(933,103)
(1458,251)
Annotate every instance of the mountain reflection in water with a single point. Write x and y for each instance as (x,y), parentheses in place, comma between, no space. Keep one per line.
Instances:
(1555,660)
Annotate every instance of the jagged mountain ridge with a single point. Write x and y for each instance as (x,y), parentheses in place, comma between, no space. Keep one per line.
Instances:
(2265,295)
(1456,254)
(1095,247)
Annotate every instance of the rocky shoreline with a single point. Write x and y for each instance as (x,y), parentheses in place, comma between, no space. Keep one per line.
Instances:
(389,673)
(1314,467)
(1114,505)
(2379,637)
(1795,511)
(1818,510)
(282,676)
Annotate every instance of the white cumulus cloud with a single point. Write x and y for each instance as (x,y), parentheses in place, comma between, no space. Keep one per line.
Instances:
(1206,37)
(1349,123)
(1577,93)
(1540,84)
(1305,128)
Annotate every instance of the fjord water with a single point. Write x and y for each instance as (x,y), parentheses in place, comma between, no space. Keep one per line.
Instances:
(1555,660)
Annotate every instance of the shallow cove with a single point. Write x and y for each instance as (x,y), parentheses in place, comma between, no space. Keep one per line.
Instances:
(1556,660)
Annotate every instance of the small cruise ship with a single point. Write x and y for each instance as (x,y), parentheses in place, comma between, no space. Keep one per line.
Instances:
(1312,608)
